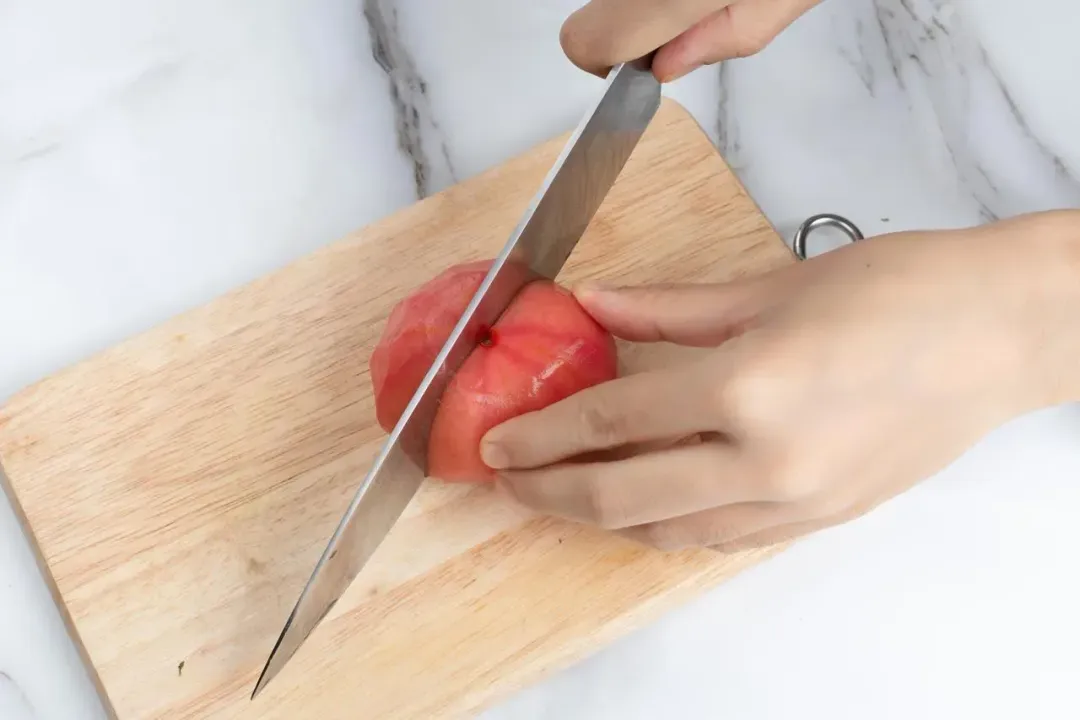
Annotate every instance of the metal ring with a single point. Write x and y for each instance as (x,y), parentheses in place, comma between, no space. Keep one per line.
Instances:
(849,228)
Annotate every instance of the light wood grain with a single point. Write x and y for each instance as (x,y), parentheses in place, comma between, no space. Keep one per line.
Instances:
(181,486)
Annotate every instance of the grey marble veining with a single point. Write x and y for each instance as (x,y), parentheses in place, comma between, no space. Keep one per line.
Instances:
(418,134)
(949,83)
(726,135)
(13,701)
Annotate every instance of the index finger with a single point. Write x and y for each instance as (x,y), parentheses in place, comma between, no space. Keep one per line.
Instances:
(604,33)
(665,404)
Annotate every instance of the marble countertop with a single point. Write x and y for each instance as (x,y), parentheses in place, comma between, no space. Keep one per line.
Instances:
(155,154)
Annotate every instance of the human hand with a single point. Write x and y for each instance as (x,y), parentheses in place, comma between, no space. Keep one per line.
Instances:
(835,384)
(686,33)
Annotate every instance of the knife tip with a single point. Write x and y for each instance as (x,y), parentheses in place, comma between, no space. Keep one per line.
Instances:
(261,682)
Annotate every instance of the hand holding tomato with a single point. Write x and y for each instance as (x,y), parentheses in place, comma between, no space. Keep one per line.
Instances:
(835,384)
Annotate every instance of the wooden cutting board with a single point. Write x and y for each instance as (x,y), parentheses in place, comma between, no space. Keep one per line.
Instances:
(181,485)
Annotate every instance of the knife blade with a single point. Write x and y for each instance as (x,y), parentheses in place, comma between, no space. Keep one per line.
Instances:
(549,230)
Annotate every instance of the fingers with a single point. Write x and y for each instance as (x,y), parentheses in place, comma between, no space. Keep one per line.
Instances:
(739,30)
(642,489)
(670,403)
(717,525)
(637,408)
(779,534)
(698,315)
(685,33)
(627,451)
(604,33)
(743,526)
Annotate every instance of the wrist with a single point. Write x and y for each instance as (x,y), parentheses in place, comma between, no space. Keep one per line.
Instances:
(1043,250)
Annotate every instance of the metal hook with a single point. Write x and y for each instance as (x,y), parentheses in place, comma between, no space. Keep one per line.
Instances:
(849,228)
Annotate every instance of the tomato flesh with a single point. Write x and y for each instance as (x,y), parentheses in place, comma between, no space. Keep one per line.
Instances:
(543,348)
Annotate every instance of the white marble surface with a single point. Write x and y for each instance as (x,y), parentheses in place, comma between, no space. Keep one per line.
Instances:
(156,153)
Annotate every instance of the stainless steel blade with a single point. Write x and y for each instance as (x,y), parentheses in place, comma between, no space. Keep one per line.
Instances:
(539,246)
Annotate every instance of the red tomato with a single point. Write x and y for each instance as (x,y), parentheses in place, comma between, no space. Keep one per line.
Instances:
(544,348)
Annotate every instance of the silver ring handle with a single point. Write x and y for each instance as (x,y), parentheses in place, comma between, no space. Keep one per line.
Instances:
(798,243)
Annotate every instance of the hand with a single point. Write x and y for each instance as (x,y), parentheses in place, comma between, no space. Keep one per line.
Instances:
(688,33)
(835,384)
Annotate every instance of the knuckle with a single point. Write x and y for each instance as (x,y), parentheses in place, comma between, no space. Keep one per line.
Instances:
(570,40)
(605,507)
(580,45)
(826,503)
(743,394)
(719,532)
(788,481)
(666,537)
(602,428)
(731,397)
(755,383)
(753,37)
(751,44)
(689,532)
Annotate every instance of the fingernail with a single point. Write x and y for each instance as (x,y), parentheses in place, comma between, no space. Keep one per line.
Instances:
(494,456)
(591,289)
(678,72)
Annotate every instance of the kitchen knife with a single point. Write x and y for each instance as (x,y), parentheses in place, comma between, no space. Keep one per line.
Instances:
(549,230)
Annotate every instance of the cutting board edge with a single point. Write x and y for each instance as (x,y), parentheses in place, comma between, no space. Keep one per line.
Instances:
(627,624)
(679,107)
(70,627)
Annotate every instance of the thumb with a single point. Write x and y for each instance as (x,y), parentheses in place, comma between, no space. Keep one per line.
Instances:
(698,315)
(739,30)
